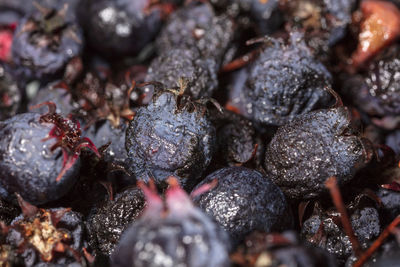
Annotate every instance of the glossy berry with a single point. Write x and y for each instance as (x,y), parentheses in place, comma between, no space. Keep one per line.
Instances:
(304,153)
(27,165)
(238,189)
(181,235)
(44,43)
(110,218)
(67,133)
(284,82)
(171,136)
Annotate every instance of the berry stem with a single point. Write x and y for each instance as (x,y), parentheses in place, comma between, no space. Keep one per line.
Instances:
(331,184)
(377,243)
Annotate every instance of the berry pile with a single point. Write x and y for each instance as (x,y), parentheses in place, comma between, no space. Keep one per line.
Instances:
(199,133)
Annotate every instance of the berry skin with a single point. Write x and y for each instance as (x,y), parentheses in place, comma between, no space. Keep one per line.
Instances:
(284,82)
(27,166)
(181,236)
(304,153)
(238,189)
(109,219)
(44,43)
(171,136)
(187,63)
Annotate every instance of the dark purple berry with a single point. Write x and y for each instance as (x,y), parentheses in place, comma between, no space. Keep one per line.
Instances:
(122,27)
(324,230)
(44,42)
(174,234)
(284,82)
(110,218)
(10,94)
(171,136)
(244,201)
(304,153)
(27,165)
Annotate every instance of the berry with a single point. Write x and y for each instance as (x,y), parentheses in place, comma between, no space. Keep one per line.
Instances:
(27,165)
(53,236)
(110,218)
(119,28)
(237,139)
(185,63)
(180,236)
(323,23)
(273,250)
(377,91)
(304,153)
(44,43)
(238,189)
(197,25)
(323,228)
(284,82)
(170,136)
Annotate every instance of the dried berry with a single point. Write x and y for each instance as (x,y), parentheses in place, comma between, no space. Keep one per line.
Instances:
(284,82)
(171,136)
(304,153)
(110,218)
(238,189)
(42,237)
(324,229)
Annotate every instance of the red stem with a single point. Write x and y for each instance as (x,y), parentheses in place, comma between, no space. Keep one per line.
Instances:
(377,243)
(331,184)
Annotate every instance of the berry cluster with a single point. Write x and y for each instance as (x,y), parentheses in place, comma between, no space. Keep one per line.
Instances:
(199,133)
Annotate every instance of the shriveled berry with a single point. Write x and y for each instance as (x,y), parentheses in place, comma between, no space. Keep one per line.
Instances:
(284,82)
(237,139)
(377,91)
(324,230)
(323,23)
(51,237)
(110,218)
(199,73)
(197,25)
(304,153)
(244,201)
(170,136)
